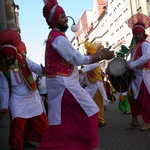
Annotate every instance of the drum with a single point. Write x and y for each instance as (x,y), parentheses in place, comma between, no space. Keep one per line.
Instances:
(119,74)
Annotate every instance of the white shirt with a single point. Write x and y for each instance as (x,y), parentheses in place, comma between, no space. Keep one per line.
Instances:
(56,86)
(23,102)
(141,74)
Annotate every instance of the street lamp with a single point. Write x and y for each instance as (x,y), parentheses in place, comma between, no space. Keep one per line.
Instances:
(74,27)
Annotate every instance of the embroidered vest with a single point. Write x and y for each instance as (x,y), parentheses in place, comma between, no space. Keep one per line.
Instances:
(138,54)
(54,63)
(95,75)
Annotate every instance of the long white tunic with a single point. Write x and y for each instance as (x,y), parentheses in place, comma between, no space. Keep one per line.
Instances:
(56,86)
(141,74)
(23,102)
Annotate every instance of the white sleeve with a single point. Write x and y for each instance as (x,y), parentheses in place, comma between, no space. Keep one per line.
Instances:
(4,92)
(64,48)
(145,56)
(89,67)
(34,67)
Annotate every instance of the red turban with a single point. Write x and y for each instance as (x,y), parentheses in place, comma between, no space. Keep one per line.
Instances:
(8,50)
(138,28)
(138,23)
(9,37)
(51,12)
(21,48)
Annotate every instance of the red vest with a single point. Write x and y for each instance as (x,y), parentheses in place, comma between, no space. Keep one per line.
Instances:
(138,54)
(54,63)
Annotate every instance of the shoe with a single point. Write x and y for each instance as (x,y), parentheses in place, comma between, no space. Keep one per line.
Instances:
(101,124)
(133,126)
(127,112)
(145,127)
(27,144)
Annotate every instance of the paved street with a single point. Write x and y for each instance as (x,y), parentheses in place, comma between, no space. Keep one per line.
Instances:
(113,136)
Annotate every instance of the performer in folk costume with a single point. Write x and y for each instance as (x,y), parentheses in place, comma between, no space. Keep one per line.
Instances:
(123,104)
(95,86)
(140,64)
(72,113)
(19,93)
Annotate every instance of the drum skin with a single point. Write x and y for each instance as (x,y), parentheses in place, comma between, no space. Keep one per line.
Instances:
(119,74)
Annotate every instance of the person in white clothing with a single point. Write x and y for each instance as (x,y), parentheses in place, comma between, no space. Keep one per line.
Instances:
(140,64)
(19,93)
(72,113)
(95,87)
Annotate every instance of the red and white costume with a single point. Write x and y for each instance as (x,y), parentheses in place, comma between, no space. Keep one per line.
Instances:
(18,93)
(72,112)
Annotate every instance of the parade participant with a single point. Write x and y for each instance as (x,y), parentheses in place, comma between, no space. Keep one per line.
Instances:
(140,64)
(95,86)
(72,113)
(27,118)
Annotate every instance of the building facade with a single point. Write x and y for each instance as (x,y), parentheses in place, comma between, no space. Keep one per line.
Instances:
(108,26)
(9,15)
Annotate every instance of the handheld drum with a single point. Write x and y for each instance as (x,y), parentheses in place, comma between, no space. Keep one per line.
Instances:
(119,74)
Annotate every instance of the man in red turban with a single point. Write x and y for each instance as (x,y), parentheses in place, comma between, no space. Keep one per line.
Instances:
(72,114)
(140,64)
(51,12)
(18,92)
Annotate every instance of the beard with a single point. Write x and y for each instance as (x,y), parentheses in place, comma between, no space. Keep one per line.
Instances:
(62,27)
